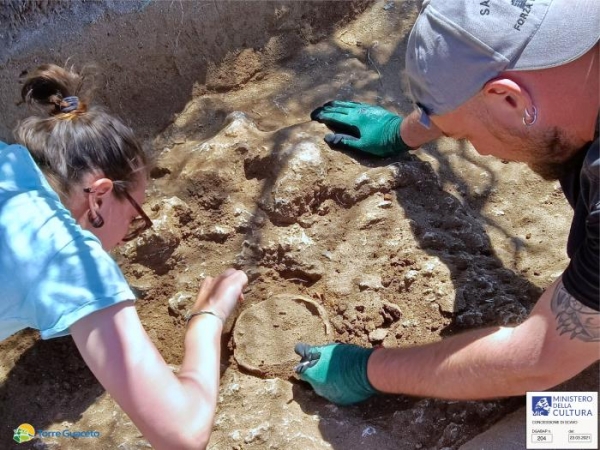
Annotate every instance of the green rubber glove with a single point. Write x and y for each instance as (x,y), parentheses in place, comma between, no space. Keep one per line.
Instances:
(363,127)
(337,372)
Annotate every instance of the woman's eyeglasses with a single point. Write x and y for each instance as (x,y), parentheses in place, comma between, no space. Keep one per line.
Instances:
(139,224)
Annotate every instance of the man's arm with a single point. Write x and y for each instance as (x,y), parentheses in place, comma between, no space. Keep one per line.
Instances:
(559,339)
(372,129)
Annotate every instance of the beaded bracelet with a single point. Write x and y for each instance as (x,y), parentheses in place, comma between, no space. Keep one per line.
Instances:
(199,313)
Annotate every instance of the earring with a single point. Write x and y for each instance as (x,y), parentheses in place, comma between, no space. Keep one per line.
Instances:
(530,119)
(97,222)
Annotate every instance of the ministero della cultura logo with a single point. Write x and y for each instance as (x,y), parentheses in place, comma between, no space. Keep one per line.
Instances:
(25,433)
(562,405)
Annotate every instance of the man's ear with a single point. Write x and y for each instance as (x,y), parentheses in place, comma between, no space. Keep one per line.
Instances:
(98,191)
(507,96)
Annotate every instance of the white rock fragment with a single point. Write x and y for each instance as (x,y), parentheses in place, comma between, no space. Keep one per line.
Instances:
(378,335)
(369,431)
(235,435)
(260,433)
(180,302)
(410,277)
(370,282)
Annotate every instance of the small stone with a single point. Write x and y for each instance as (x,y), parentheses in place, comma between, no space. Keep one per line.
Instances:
(370,282)
(369,431)
(258,434)
(327,254)
(179,303)
(409,278)
(378,335)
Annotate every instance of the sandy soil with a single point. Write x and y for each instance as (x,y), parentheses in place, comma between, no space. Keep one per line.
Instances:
(396,252)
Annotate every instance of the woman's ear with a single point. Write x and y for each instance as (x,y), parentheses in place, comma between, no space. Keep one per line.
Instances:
(506,96)
(98,191)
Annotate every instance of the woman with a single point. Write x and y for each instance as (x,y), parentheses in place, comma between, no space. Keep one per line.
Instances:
(70,192)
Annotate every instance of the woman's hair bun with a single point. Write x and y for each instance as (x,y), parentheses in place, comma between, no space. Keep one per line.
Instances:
(48,86)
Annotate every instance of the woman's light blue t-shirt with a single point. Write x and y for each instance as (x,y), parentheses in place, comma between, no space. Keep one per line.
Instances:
(52,272)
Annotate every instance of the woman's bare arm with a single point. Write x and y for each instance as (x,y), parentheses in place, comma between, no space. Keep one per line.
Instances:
(172,411)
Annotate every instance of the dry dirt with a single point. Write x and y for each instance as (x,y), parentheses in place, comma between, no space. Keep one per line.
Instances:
(396,252)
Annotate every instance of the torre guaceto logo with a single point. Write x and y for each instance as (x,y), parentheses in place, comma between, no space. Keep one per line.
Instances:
(23,433)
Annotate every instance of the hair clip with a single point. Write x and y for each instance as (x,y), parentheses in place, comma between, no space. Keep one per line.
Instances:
(69,104)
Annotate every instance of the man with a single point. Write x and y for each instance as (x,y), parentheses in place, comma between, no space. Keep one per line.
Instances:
(520,81)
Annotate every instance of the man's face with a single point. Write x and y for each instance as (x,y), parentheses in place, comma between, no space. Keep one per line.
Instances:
(544,149)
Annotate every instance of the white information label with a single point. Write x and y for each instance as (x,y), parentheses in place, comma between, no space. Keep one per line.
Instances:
(565,420)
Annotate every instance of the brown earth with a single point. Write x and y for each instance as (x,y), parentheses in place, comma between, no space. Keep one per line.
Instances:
(398,251)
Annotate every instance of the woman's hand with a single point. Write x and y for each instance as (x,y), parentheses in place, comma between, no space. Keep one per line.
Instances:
(221,294)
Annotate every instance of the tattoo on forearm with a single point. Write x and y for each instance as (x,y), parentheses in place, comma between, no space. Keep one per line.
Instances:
(574,317)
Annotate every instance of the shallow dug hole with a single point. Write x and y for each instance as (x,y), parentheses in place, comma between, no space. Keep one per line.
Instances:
(395,252)
(265,333)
